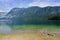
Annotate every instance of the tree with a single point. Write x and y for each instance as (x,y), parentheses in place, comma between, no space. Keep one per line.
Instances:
(56,18)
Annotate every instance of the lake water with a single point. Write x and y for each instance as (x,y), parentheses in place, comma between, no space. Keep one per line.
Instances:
(7,26)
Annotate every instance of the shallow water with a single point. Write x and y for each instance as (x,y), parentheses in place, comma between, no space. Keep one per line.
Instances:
(4,29)
(8,29)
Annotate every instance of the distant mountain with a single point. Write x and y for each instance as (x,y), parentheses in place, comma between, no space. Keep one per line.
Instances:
(33,14)
(2,13)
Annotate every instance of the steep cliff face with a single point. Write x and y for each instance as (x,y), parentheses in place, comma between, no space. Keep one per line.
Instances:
(33,15)
(35,11)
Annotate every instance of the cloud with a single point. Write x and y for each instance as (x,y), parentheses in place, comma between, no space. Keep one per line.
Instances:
(6,5)
(2,11)
(44,3)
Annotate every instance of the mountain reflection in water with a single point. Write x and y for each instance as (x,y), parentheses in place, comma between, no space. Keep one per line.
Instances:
(4,27)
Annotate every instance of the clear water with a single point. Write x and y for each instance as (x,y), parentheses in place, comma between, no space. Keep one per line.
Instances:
(6,28)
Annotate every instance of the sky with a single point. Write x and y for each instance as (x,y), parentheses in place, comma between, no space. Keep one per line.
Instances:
(6,5)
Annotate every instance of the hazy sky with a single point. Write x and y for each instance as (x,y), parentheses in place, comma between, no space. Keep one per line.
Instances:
(6,5)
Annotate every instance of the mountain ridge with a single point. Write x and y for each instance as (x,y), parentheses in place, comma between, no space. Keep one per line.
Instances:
(33,15)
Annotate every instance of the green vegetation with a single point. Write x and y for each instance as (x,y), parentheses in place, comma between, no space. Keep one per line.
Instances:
(57,18)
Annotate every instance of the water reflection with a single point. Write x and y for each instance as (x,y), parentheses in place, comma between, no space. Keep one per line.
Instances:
(4,27)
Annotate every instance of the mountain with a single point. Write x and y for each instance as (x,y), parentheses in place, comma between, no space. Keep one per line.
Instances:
(2,14)
(33,15)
